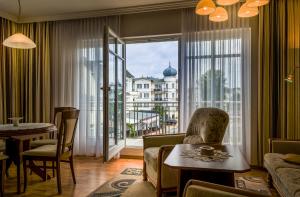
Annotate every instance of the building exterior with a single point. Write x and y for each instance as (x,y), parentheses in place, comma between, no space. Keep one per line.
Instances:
(152,97)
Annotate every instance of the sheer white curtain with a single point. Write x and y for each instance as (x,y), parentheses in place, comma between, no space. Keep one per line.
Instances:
(77,64)
(215,70)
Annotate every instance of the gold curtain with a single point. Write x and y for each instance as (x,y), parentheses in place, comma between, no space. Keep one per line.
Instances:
(278,101)
(25,74)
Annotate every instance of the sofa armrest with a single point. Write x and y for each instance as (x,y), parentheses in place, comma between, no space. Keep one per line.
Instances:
(160,140)
(284,146)
(197,188)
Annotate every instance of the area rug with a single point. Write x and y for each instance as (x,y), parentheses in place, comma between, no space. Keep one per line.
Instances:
(118,185)
(129,183)
(252,183)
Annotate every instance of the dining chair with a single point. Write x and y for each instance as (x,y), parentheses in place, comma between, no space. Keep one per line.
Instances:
(3,159)
(56,121)
(61,152)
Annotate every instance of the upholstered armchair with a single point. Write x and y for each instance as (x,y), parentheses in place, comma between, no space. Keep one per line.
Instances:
(198,189)
(207,125)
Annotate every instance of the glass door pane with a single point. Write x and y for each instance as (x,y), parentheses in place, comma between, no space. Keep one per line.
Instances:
(113,91)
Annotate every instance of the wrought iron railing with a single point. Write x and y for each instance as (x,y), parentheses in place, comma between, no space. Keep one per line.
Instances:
(151,118)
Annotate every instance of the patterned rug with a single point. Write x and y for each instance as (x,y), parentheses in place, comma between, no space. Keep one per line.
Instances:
(116,186)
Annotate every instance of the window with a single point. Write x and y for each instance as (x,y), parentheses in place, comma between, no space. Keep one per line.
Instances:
(141,95)
(166,86)
(139,86)
(173,85)
(146,95)
(219,62)
(173,95)
(166,95)
(146,86)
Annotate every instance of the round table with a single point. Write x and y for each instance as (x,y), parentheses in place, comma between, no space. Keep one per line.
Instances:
(8,130)
(18,140)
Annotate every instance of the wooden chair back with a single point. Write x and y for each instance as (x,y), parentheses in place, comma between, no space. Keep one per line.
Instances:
(58,113)
(67,130)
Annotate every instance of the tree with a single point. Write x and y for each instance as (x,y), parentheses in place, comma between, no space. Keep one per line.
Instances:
(161,111)
(132,131)
(212,86)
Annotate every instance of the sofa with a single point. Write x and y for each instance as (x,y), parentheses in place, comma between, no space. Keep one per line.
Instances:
(284,176)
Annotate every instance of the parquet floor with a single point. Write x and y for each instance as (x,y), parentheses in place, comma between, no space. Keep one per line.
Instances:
(90,174)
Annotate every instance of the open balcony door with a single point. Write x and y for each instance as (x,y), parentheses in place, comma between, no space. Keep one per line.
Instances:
(114,94)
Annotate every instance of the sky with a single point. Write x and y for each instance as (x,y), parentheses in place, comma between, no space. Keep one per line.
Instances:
(150,59)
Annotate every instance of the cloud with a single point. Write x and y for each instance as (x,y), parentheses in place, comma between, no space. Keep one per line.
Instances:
(150,59)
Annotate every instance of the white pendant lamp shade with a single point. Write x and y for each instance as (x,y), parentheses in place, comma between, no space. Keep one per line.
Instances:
(256,3)
(19,41)
(246,11)
(219,15)
(227,2)
(205,7)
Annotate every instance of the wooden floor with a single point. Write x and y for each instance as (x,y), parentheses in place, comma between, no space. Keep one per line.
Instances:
(90,174)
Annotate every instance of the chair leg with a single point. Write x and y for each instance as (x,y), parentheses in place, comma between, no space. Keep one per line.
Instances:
(58,178)
(158,192)
(144,172)
(72,169)
(53,169)
(2,177)
(25,174)
(45,170)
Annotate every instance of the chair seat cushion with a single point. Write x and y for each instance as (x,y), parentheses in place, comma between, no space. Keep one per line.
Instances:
(150,156)
(37,143)
(45,150)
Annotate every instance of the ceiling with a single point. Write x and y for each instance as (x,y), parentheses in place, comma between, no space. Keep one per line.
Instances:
(43,8)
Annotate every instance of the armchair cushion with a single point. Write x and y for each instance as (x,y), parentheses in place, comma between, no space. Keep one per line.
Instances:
(207,125)
(151,157)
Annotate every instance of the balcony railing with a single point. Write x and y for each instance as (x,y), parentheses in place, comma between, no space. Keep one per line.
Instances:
(151,118)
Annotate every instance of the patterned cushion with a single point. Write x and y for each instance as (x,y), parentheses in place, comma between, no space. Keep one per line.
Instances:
(285,175)
(273,161)
(209,124)
(290,179)
(292,158)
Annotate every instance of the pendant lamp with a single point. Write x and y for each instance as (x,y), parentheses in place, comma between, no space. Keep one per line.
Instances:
(219,15)
(19,40)
(246,11)
(257,3)
(227,2)
(205,7)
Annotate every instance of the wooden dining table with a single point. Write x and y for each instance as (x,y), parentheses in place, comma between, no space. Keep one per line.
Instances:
(17,140)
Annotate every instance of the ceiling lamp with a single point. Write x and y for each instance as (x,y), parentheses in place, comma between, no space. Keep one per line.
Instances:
(205,7)
(246,11)
(19,40)
(219,15)
(256,3)
(227,2)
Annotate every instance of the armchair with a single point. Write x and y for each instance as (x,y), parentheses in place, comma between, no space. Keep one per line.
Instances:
(207,125)
(199,188)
